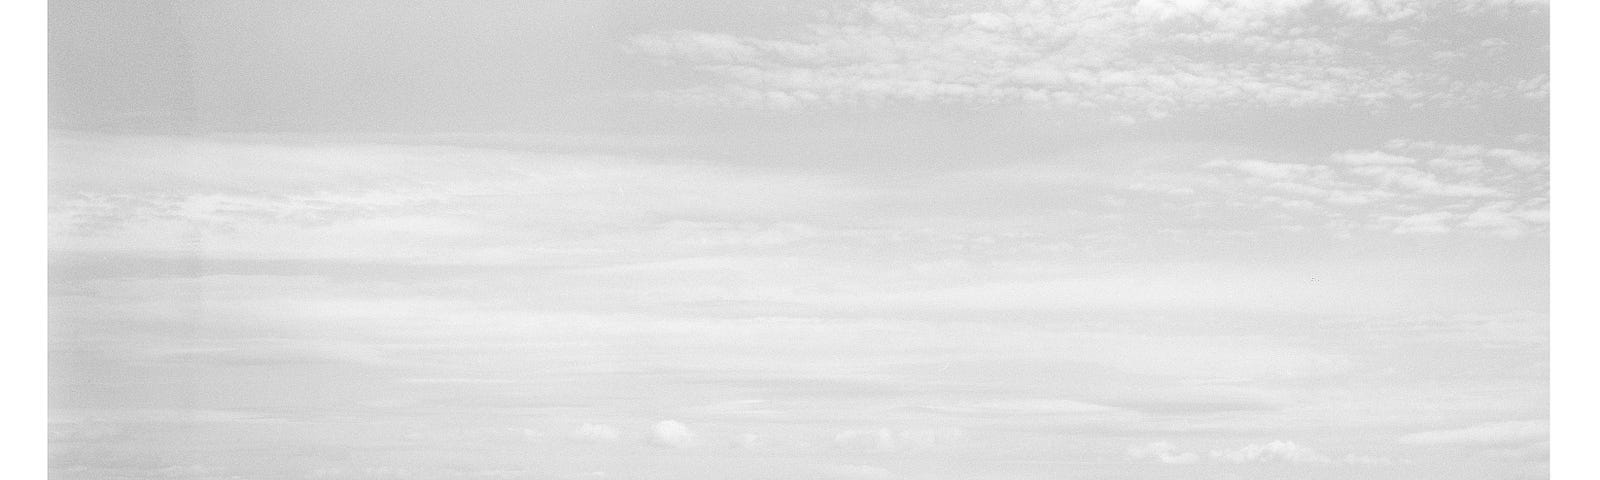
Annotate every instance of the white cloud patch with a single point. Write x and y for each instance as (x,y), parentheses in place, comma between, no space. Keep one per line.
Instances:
(1275,451)
(596,433)
(1495,433)
(889,440)
(1164,452)
(879,440)
(1272,170)
(857,472)
(1426,223)
(1372,158)
(672,434)
(1354,459)
(752,441)
(1407,187)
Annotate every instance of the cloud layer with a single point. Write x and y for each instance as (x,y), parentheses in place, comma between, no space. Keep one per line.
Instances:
(1132,59)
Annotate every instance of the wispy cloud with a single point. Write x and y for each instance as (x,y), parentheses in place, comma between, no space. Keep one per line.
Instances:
(1494,433)
(1408,187)
(1164,452)
(590,432)
(1275,451)
(1133,59)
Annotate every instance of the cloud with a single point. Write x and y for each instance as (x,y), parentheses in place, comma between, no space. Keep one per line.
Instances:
(1406,187)
(1427,223)
(1418,181)
(383,472)
(1353,459)
(880,440)
(672,434)
(752,441)
(1276,451)
(1160,188)
(1271,170)
(1163,452)
(1130,59)
(1370,157)
(1507,219)
(857,472)
(263,352)
(1495,433)
(1024,406)
(595,433)
(86,432)
(887,440)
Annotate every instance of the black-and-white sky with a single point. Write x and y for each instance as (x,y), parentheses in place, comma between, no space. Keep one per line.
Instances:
(784,239)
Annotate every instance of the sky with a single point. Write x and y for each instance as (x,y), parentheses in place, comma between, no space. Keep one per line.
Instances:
(782,239)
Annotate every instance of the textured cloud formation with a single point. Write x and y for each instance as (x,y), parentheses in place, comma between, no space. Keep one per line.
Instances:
(673,434)
(887,440)
(1407,187)
(1142,59)
(1276,451)
(1496,433)
(1353,459)
(595,433)
(881,440)
(1163,452)
(857,472)
(611,279)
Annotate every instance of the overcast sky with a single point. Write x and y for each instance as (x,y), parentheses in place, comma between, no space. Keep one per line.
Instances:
(1103,239)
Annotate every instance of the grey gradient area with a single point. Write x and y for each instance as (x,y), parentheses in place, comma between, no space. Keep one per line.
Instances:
(781,239)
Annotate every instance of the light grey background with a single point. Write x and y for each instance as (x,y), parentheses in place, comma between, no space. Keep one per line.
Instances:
(781,239)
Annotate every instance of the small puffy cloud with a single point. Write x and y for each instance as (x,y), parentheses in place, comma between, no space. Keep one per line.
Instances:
(672,434)
(1163,452)
(1276,451)
(1495,433)
(595,433)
